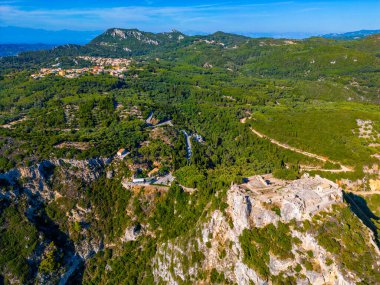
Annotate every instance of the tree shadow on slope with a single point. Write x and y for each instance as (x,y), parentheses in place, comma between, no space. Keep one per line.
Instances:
(359,206)
(52,232)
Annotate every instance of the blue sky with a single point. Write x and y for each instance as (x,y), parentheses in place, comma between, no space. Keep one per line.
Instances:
(241,16)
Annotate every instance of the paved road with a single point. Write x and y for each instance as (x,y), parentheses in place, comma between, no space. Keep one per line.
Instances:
(149,118)
(165,180)
(188,144)
(343,168)
(169,123)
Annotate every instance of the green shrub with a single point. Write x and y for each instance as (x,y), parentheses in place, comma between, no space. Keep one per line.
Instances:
(310,253)
(216,277)
(298,268)
(342,234)
(49,262)
(257,243)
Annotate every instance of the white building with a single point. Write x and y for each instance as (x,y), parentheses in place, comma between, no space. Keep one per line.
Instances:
(138,180)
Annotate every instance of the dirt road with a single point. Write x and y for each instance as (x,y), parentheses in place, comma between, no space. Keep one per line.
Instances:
(343,168)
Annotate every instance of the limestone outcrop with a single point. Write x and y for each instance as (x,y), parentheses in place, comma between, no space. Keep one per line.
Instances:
(248,208)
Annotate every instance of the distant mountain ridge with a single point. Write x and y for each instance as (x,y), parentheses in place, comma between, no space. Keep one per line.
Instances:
(136,42)
(14,49)
(126,43)
(18,35)
(352,35)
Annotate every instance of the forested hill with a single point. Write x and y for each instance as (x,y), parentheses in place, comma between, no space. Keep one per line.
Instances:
(145,158)
(135,42)
(308,58)
(14,49)
(125,43)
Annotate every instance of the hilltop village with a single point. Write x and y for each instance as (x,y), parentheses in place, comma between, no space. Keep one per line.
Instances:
(103,65)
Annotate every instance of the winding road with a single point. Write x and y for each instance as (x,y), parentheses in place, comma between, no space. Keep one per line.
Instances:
(150,116)
(169,123)
(343,168)
(188,144)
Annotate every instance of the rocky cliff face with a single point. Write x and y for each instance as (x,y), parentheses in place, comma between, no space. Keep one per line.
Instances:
(36,187)
(218,239)
(269,231)
(36,179)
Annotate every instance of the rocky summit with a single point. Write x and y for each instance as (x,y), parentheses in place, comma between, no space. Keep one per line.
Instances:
(289,205)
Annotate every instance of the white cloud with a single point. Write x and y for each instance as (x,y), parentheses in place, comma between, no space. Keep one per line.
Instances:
(98,18)
(280,16)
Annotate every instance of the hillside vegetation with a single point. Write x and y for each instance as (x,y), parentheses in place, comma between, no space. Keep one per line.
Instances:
(183,107)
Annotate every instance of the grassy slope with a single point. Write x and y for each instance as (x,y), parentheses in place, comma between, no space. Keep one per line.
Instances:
(325,129)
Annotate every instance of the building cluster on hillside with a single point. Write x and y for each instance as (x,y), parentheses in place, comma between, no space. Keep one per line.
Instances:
(107,61)
(112,66)
(211,42)
(154,179)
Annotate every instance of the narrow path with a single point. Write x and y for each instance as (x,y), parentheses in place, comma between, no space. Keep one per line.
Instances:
(11,124)
(244,120)
(344,168)
(188,189)
(316,168)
